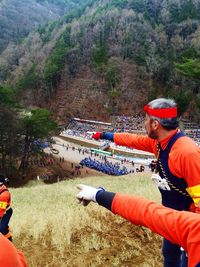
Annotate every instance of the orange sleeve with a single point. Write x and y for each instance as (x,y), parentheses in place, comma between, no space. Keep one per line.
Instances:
(179,227)
(22,261)
(9,255)
(184,162)
(139,142)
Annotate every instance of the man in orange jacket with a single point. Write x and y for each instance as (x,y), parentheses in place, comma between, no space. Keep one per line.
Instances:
(178,163)
(9,255)
(179,227)
(5,208)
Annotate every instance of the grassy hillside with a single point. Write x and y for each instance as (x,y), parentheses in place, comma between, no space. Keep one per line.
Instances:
(53,230)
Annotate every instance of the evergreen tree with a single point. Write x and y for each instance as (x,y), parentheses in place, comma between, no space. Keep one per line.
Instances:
(37,124)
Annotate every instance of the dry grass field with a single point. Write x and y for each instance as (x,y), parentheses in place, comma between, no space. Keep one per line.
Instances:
(52,230)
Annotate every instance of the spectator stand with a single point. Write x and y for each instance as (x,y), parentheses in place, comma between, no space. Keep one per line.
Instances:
(131,124)
(80,127)
(191,129)
(80,130)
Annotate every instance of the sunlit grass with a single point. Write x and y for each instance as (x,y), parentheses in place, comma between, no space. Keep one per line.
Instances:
(51,215)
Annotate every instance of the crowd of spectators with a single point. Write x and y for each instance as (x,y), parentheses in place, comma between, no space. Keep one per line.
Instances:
(192,130)
(105,166)
(122,123)
(41,161)
(128,123)
(194,134)
(84,129)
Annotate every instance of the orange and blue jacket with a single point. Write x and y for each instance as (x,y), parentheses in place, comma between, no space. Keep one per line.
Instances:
(5,200)
(183,159)
(179,227)
(9,255)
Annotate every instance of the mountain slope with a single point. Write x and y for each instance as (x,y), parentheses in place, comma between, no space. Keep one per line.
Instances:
(18,18)
(155,38)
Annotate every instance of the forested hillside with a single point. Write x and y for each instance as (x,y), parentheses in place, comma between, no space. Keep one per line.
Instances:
(114,55)
(18,18)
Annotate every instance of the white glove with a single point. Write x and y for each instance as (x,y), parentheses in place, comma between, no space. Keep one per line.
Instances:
(87,194)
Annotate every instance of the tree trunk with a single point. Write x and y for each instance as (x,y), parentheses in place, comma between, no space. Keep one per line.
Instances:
(22,166)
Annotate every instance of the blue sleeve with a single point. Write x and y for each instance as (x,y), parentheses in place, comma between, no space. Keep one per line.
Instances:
(107,136)
(105,199)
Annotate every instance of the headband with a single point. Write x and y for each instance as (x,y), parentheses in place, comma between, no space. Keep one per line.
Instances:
(162,113)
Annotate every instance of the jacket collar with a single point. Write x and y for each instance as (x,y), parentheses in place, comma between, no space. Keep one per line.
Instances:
(163,143)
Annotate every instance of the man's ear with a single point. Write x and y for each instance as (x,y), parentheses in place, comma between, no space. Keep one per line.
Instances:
(155,124)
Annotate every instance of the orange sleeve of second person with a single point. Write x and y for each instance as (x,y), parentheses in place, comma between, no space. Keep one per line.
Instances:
(184,162)
(179,227)
(139,142)
(9,255)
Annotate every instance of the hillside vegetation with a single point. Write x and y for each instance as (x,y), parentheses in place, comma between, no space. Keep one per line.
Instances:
(18,18)
(108,52)
(53,230)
